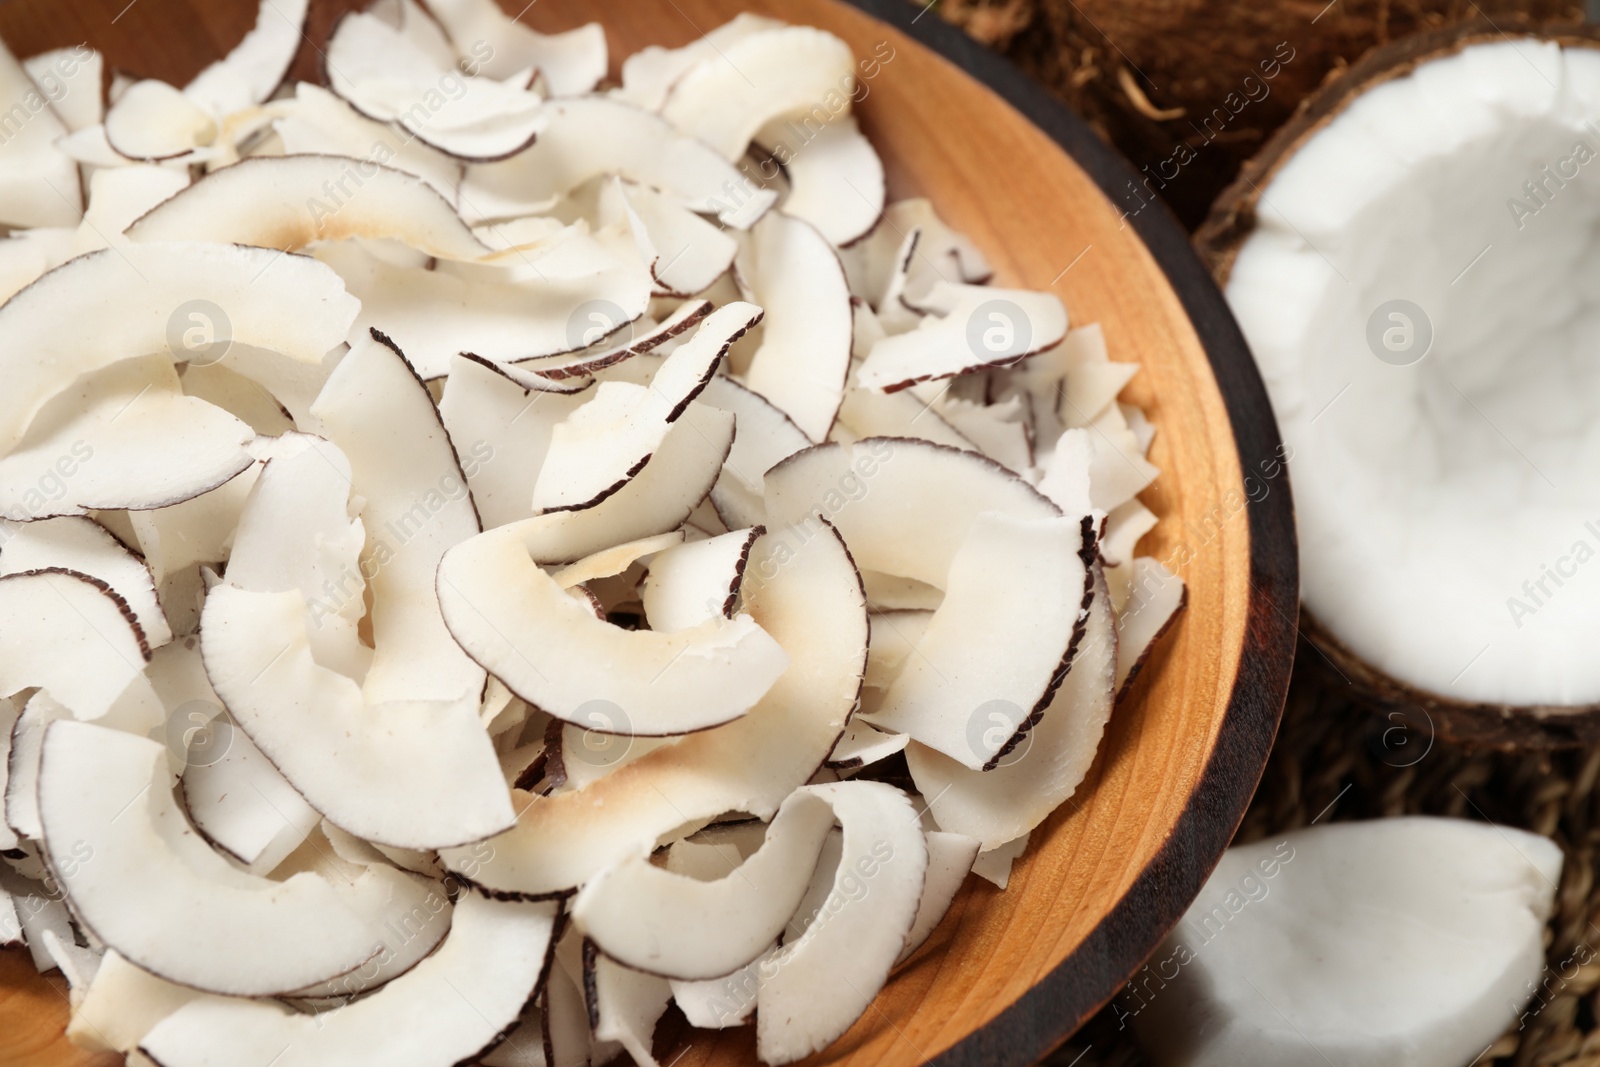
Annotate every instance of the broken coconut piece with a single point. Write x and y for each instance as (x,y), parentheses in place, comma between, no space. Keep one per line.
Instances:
(682,927)
(570,63)
(791,270)
(84,546)
(835,176)
(998,646)
(969,328)
(691,583)
(257,65)
(802,589)
(470,990)
(154,122)
(121,1004)
(624,1004)
(518,622)
(158,895)
(39,184)
(1428,931)
(1155,597)
(950,858)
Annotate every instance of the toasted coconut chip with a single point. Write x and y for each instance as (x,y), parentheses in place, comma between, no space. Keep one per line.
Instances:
(896,635)
(687,253)
(27,254)
(950,859)
(517,621)
(160,896)
(387,76)
(869,413)
(1155,596)
(121,1004)
(659,498)
(789,268)
(692,583)
(940,254)
(608,354)
(470,990)
(123,437)
(1124,527)
(649,74)
(419,28)
(1031,781)
(591,136)
(994,652)
(682,927)
(284,202)
(903,506)
(501,427)
(316,122)
(818,984)
(135,292)
(153,121)
(119,195)
(726,100)
(245,399)
(835,176)
(569,63)
(969,328)
(604,443)
(724,1002)
(416,506)
(1067,472)
(994,865)
(39,184)
(258,64)
(863,745)
(803,590)
(234,796)
(70,79)
(22,764)
(434,314)
(624,1005)
(199,530)
(614,561)
(84,546)
(1117,469)
(70,635)
(1000,430)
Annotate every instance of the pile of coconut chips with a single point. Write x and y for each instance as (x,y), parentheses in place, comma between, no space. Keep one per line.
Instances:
(487,557)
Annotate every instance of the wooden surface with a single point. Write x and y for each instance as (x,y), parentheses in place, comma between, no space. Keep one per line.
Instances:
(1009,974)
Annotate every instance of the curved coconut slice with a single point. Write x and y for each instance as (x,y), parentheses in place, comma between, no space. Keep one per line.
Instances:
(234,796)
(606,355)
(121,1004)
(819,984)
(1000,430)
(1006,802)
(180,912)
(1155,596)
(677,926)
(940,254)
(686,252)
(809,599)
(518,622)
(135,291)
(244,398)
(124,437)
(39,184)
(896,635)
(316,122)
(570,63)
(614,561)
(470,990)
(501,427)
(791,270)
(969,328)
(416,506)
(84,546)
(649,74)
(1461,902)
(793,70)
(199,530)
(22,764)
(992,655)
(258,64)
(903,506)
(608,440)
(118,195)
(1124,528)
(950,859)
(592,136)
(152,121)
(285,202)
(869,413)
(490,311)
(691,583)
(27,254)
(722,1002)
(835,176)
(70,79)
(624,1005)
(1117,467)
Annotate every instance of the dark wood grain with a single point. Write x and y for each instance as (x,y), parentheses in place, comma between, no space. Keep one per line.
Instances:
(1011,974)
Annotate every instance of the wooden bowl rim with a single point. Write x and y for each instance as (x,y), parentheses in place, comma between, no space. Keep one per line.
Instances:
(1091,974)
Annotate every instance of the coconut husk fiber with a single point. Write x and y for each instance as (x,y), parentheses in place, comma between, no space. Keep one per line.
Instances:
(1149,74)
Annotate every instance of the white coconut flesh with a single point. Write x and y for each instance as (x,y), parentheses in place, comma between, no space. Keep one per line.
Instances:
(811,604)
(1409,457)
(611,353)
(677,926)
(39,184)
(471,989)
(157,894)
(10,710)
(73,77)
(1380,905)
(586,137)
(283,202)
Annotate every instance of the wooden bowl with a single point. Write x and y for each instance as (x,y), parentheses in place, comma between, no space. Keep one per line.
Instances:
(1009,975)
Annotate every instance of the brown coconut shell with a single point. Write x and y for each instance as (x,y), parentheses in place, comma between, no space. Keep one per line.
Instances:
(1218,240)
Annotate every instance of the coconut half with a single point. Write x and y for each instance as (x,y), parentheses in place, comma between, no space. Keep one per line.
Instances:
(1424,370)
